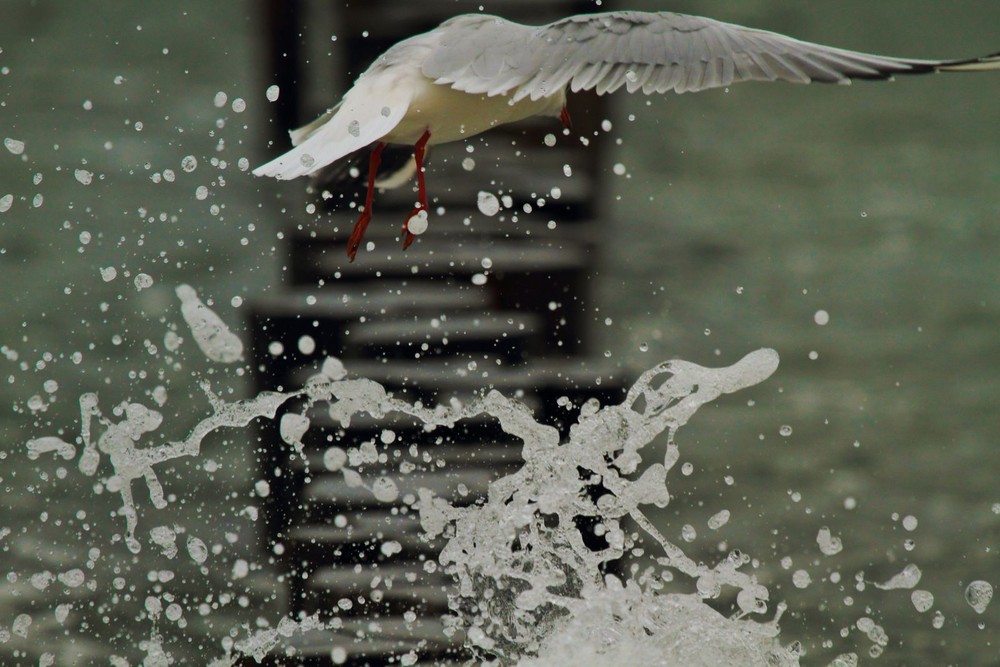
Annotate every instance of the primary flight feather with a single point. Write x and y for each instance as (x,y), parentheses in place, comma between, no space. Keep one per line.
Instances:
(475,71)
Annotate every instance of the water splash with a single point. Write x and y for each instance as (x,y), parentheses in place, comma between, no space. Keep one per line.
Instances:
(131,459)
(211,334)
(528,585)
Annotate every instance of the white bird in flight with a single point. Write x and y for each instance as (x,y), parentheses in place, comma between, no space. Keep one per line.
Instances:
(475,72)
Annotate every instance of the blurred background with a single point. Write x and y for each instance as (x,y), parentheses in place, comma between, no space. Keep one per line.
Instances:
(854,229)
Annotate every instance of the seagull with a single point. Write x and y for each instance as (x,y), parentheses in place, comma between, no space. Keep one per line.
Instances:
(475,72)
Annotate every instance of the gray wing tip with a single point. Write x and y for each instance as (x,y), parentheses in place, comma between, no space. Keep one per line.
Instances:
(981,64)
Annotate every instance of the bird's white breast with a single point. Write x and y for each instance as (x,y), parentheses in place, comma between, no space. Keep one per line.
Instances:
(452,115)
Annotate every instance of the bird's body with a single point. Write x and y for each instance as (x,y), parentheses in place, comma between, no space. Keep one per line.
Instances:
(451,115)
(475,72)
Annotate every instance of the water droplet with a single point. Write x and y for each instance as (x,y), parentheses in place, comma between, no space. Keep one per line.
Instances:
(189,163)
(718,520)
(488,203)
(821,317)
(197,549)
(334,459)
(922,600)
(307,344)
(20,625)
(239,105)
(828,543)
(354,128)
(908,578)
(272,93)
(979,594)
(6,202)
(785,430)
(13,145)
(293,427)
(220,99)
(801,579)
(417,225)
(385,490)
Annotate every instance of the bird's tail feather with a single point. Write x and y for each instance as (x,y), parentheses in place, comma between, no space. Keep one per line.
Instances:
(359,120)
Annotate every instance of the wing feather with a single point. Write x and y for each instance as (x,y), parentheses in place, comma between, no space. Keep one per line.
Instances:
(648,51)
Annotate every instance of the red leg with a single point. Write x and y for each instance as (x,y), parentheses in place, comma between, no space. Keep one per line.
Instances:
(419,150)
(566,120)
(366,215)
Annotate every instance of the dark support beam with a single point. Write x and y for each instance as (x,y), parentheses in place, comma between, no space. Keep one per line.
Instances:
(284,26)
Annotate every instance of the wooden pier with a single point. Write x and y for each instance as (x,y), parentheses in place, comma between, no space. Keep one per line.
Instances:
(477,302)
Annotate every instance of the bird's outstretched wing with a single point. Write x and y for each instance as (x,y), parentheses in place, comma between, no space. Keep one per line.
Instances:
(360,119)
(651,52)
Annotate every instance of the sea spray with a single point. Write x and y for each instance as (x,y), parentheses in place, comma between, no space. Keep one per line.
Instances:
(528,587)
